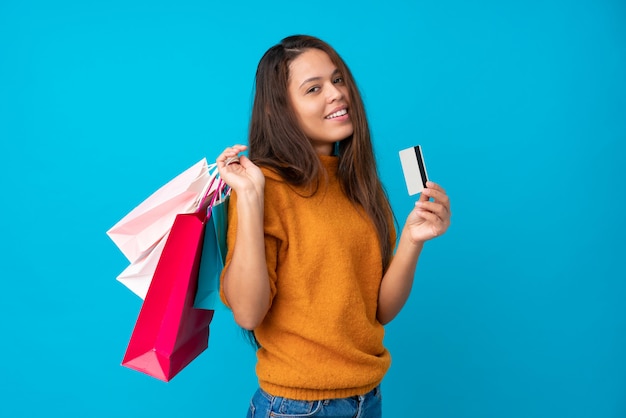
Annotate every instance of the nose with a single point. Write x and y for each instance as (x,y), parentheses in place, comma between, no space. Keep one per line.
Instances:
(334,93)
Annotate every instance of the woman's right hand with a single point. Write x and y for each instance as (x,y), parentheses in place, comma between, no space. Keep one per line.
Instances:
(239,172)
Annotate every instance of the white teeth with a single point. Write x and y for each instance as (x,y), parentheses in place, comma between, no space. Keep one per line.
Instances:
(337,114)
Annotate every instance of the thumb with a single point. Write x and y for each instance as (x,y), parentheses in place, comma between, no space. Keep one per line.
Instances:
(244,161)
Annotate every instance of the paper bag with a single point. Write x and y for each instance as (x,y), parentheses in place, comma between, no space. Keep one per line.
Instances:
(169,332)
(138,275)
(141,229)
(213,257)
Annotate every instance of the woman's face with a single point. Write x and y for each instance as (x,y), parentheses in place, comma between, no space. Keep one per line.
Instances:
(320,99)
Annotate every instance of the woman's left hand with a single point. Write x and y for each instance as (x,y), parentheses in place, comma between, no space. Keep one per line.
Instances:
(429,219)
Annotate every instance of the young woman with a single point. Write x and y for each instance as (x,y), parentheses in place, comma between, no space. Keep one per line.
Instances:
(311,268)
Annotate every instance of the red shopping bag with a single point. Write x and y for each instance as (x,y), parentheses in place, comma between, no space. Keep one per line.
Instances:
(169,332)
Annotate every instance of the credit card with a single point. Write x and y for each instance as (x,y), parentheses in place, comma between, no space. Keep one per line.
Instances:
(414,169)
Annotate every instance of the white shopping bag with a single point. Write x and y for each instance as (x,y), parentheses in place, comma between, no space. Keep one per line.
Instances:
(138,275)
(142,228)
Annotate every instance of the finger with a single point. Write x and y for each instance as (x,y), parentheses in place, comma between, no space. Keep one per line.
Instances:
(438,194)
(439,209)
(235,149)
(245,161)
(429,218)
(435,216)
(239,148)
(436,224)
(433,185)
(230,153)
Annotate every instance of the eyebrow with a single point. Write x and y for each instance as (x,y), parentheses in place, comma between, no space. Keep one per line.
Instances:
(308,80)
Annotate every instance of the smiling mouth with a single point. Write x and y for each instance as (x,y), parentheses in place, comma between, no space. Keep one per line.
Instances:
(337,114)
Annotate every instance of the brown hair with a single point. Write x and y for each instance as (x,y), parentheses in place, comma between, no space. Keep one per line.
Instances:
(276,140)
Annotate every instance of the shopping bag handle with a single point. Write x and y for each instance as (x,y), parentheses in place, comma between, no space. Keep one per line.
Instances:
(220,191)
(214,177)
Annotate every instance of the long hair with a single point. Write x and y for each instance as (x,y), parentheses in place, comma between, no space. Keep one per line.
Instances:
(276,140)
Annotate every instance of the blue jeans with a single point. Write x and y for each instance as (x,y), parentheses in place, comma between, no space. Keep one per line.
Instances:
(264,405)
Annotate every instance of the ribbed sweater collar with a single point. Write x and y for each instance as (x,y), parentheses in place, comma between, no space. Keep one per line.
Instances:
(330,163)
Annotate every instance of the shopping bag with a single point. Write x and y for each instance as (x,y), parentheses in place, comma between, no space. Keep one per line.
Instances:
(169,332)
(138,275)
(140,230)
(213,254)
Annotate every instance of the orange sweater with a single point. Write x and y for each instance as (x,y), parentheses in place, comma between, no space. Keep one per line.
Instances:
(320,338)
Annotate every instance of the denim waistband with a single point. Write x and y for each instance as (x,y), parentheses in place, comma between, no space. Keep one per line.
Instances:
(373,392)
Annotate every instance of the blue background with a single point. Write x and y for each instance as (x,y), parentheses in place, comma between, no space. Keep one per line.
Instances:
(521,111)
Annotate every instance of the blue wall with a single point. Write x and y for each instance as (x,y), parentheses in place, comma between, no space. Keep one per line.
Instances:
(521,111)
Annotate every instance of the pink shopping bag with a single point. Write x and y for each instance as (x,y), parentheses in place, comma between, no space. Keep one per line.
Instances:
(169,332)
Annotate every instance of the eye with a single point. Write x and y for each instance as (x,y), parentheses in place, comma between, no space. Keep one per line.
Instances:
(313,89)
(338,80)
